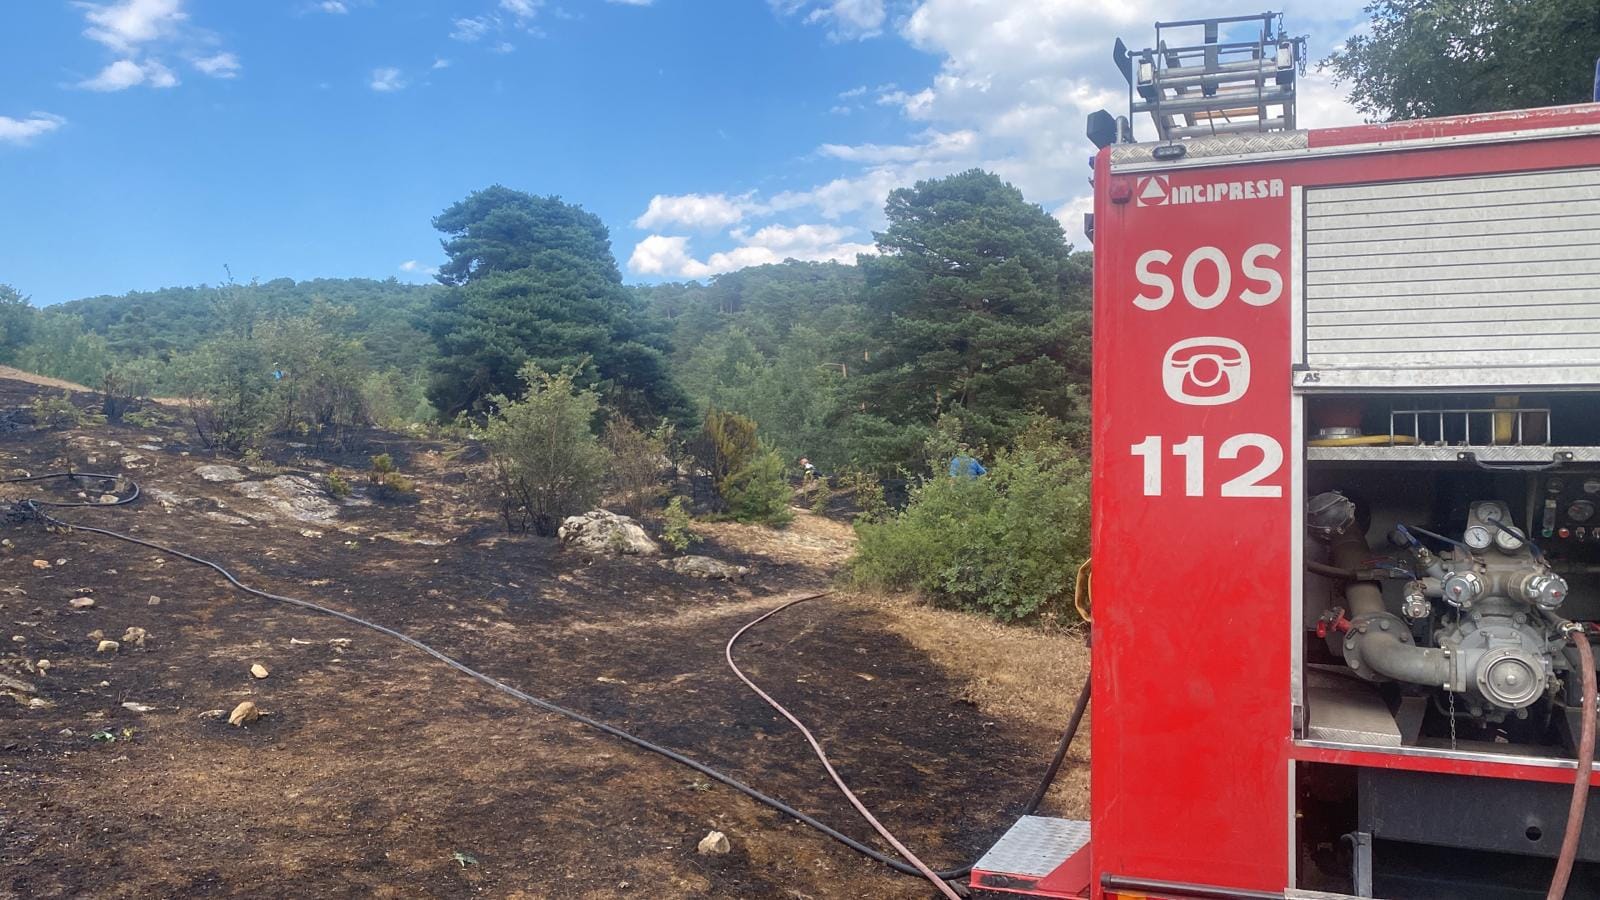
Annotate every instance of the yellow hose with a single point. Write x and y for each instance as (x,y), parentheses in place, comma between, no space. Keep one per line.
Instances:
(1080,591)
(1367,440)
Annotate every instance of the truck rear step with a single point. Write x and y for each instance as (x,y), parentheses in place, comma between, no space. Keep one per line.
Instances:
(1040,856)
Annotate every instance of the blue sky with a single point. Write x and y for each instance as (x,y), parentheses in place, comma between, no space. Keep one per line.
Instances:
(146,143)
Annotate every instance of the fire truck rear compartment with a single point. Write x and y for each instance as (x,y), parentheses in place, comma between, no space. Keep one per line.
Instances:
(1448,539)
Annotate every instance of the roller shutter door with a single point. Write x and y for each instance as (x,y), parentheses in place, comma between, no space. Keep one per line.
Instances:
(1461,282)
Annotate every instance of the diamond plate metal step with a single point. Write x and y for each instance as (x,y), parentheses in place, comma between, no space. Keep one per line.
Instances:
(1035,847)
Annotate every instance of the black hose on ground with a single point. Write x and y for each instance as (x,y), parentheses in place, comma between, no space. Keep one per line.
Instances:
(33,508)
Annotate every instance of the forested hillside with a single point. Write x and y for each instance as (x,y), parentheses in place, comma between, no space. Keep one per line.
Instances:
(959,344)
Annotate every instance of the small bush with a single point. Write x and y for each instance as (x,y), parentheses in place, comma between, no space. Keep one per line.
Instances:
(1007,544)
(394,486)
(387,481)
(546,463)
(868,491)
(58,411)
(759,492)
(675,530)
(338,487)
(636,460)
(821,496)
(728,444)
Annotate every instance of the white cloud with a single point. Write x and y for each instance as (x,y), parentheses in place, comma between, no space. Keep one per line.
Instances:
(472,29)
(21,131)
(441,63)
(670,256)
(336,7)
(1015,80)
(632,2)
(125,73)
(851,19)
(522,9)
(693,210)
(417,268)
(221,65)
(387,79)
(125,25)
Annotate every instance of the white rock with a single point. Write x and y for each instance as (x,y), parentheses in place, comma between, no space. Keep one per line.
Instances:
(131,706)
(108,647)
(293,497)
(244,713)
(135,636)
(259,671)
(220,473)
(603,531)
(704,567)
(81,603)
(715,843)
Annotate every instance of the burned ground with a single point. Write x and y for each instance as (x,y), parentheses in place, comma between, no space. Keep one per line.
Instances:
(377,771)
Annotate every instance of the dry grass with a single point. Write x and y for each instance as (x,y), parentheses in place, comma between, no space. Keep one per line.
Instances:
(1025,675)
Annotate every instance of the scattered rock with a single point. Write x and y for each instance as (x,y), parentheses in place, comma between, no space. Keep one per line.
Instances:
(213,714)
(308,533)
(293,497)
(38,703)
(714,844)
(603,531)
(97,635)
(340,643)
(131,706)
(135,636)
(705,567)
(226,519)
(604,679)
(15,684)
(259,671)
(19,638)
(244,713)
(220,473)
(154,600)
(81,603)
(108,647)
(42,665)
(66,732)
(41,564)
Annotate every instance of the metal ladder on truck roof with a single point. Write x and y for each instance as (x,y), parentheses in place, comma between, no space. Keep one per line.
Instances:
(1215,86)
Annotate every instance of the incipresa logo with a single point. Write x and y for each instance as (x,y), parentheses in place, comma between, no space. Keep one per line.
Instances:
(1158,190)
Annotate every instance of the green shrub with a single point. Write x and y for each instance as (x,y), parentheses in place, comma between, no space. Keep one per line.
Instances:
(759,492)
(58,411)
(338,487)
(729,443)
(546,463)
(387,481)
(868,492)
(675,530)
(1007,544)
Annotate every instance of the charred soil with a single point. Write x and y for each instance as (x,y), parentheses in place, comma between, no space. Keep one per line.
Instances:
(377,772)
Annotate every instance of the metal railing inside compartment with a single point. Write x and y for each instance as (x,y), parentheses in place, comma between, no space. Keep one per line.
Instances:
(1481,427)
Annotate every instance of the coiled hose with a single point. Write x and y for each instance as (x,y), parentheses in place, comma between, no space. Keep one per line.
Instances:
(1580,784)
(35,508)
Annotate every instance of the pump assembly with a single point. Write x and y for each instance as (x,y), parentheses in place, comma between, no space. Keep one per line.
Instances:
(1478,620)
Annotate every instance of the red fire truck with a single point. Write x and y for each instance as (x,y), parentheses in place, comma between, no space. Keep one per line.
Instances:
(1346,497)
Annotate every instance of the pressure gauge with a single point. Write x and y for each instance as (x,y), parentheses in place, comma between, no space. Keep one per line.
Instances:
(1592,486)
(1507,541)
(1478,537)
(1581,510)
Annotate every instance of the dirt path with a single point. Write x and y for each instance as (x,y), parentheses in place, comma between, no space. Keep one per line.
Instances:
(378,772)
